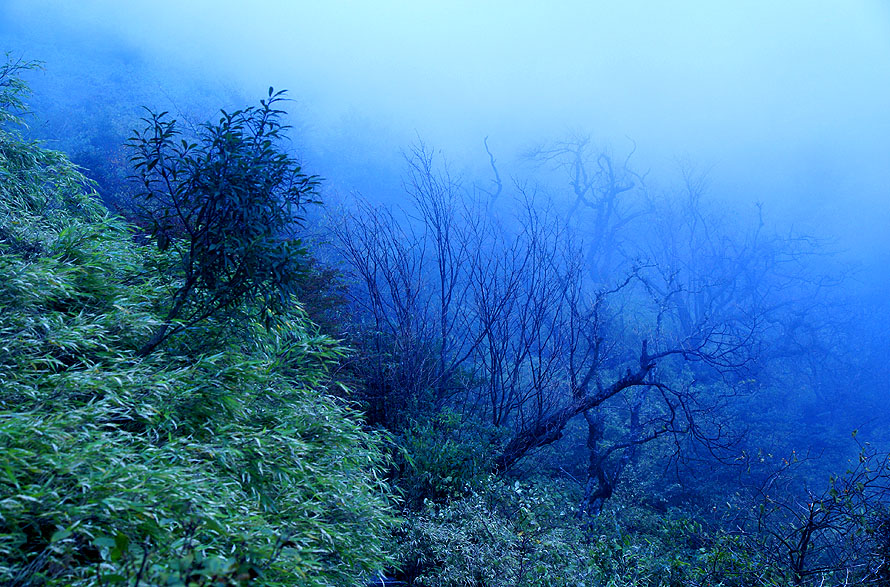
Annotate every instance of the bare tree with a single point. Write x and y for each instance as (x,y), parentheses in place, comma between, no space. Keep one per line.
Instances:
(415,274)
(500,317)
(607,196)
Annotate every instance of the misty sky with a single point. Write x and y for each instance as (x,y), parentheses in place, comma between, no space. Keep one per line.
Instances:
(787,101)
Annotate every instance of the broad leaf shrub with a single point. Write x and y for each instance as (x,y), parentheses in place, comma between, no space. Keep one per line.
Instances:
(227,206)
(217,461)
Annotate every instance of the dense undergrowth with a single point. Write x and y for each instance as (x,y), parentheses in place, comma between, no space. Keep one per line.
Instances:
(218,460)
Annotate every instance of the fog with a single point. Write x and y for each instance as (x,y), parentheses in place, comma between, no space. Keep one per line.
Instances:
(784,103)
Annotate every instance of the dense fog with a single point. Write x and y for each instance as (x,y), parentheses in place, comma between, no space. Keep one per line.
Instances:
(534,209)
(785,104)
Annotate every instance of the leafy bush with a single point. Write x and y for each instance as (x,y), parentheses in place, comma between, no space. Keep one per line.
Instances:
(505,534)
(527,533)
(227,206)
(443,457)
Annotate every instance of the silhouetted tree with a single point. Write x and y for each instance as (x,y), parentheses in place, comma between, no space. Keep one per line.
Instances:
(607,197)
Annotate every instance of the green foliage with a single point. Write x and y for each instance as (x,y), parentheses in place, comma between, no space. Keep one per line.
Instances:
(13,89)
(506,534)
(219,462)
(527,533)
(41,192)
(227,205)
(443,457)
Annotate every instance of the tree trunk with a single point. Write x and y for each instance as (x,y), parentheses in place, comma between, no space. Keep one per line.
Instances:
(599,486)
(549,428)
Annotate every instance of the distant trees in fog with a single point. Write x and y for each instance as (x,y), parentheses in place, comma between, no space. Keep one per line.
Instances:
(640,313)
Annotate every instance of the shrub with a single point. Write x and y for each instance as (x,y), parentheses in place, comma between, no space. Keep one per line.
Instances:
(227,206)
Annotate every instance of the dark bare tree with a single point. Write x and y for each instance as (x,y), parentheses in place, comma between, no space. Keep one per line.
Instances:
(500,318)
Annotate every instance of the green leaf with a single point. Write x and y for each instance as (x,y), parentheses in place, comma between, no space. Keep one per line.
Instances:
(60,535)
(104,542)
